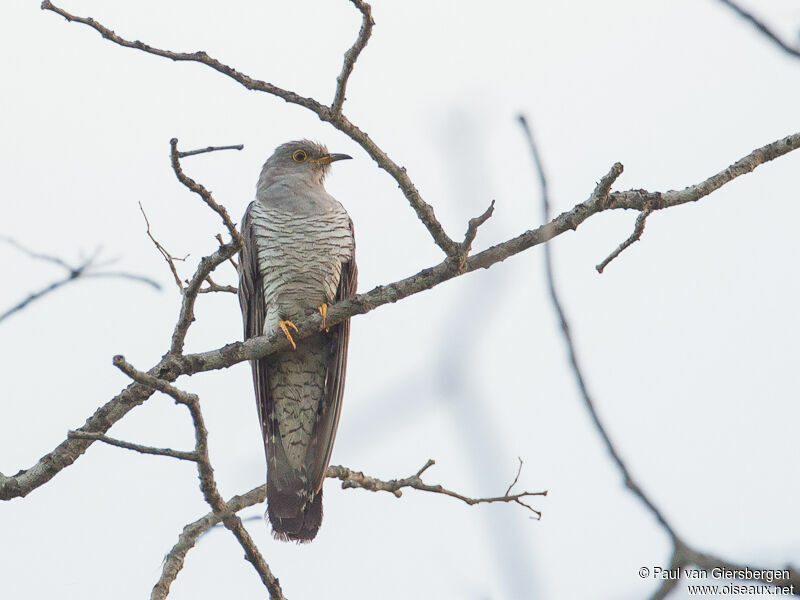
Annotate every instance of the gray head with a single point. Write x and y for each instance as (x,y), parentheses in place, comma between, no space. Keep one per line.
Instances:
(302,159)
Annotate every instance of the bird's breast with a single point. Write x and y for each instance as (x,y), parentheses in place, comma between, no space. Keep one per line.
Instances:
(300,259)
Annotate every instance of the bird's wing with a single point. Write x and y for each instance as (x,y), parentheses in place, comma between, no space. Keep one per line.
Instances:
(251,300)
(319,454)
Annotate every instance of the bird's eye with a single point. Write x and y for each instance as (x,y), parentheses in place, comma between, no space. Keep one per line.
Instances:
(299,155)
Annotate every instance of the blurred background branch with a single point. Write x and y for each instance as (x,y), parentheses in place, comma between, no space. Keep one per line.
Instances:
(682,554)
(87,268)
(763,28)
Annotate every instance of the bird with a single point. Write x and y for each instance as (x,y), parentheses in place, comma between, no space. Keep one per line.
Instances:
(297,257)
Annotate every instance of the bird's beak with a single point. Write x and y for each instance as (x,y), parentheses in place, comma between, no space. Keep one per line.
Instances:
(329,158)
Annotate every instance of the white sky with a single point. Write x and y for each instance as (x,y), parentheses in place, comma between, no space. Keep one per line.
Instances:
(689,339)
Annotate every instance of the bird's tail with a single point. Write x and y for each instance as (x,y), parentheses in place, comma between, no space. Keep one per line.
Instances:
(294,512)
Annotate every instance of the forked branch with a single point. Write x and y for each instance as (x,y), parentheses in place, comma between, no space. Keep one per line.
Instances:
(638,230)
(208,484)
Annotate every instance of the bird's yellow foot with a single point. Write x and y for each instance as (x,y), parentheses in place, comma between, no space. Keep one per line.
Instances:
(323,310)
(284,325)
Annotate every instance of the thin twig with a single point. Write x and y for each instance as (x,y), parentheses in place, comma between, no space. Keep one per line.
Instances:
(210,149)
(218,237)
(179,454)
(201,191)
(472,228)
(351,55)
(516,477)
(163,251)
(638,230)
(215,287)
(151,381)
(762,27)
(190,292)
(355,479)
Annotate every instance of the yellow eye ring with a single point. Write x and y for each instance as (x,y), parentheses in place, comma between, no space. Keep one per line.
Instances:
(299,155)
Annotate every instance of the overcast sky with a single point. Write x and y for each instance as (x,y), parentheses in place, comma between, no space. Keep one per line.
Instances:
(689,339)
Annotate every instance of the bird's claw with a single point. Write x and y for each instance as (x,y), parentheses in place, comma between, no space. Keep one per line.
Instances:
(284,325)
(323,310)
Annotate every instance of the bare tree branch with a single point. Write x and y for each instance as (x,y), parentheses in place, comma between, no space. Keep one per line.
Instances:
(336,118)
(638,230)
(83,270)
(516,477)
(206,473)
(351,55)
(200,57)
(633,199)
(643,200)
(68,451)
(215,287)
(210,149)
(206,266)
(472,228)
(218,237)
(356,479)
(173,563)
(201,190)
(179,454)
(762,27)
(204,269)
(163,251)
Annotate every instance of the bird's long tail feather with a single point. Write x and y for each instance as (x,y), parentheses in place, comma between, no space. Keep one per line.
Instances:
(295,514)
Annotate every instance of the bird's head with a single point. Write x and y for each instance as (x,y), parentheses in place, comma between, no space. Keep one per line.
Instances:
(301,158)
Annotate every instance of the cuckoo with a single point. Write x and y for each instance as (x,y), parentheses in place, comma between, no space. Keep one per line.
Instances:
(298,257)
